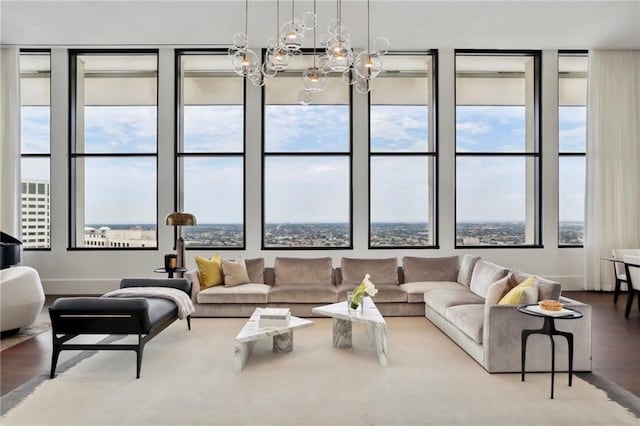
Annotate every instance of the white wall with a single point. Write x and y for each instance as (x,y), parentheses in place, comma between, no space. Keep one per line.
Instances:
(409,25)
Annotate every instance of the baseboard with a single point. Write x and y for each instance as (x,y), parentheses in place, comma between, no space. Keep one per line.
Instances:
(70,287)
(569,282)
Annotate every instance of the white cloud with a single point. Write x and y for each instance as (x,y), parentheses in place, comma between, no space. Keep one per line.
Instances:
(473,128)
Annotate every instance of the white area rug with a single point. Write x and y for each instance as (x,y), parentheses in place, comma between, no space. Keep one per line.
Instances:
(188,379)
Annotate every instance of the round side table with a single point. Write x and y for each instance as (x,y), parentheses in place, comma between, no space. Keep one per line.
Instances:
(549,328)
(170,271)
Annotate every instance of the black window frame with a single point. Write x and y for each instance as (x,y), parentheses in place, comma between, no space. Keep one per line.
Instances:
(537,155)
(180,155)
(561,154)
(39,155)
(265,155)
(73,155)
(427,154)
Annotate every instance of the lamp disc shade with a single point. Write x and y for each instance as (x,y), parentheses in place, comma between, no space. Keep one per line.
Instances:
(180,219)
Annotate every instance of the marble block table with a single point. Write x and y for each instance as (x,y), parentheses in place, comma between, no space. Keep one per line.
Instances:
(342,324)
(251,332)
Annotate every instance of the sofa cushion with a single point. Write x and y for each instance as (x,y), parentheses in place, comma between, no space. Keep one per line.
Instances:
(496,291)
(465,272)
(547,289)
(210,271)
(441,299)
(293,270)
(415,290)
(246,293)
(430,268)
(469,319)
(255,270)
(303,293)
(381,271)
(387,293)
(235,272)
(484,274)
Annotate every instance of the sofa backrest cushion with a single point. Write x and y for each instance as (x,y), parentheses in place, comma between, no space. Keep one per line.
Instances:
(255,269)
(484,274)
(547,289)
(465,272)
(381,271)
(430,268)
(296,270)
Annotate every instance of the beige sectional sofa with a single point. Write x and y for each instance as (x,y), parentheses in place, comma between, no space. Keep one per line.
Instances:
(458,294)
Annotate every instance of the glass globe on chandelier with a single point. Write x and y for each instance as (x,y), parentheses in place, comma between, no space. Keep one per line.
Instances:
(314,79)
(277,56)
(244,60)
(338,43)
(368,64)
(292,33)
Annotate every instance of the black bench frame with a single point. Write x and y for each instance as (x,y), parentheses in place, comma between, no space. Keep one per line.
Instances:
(113,316)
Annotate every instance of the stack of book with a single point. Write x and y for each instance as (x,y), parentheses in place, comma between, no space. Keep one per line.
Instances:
(274,317)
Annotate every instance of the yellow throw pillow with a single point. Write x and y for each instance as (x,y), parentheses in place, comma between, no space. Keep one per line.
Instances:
(210,271)
(514,295)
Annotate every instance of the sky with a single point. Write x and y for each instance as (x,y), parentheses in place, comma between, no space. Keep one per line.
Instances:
(310,189)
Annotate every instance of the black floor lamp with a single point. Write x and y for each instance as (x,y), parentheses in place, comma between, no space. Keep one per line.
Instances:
(179,219)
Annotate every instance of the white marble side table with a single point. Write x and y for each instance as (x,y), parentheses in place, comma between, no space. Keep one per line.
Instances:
(251,332)
(342,325)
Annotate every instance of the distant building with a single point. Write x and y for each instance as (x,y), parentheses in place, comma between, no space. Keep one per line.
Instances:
(119,238)
(36,214)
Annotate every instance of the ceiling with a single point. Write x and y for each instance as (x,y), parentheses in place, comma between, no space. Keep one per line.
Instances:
(407,24)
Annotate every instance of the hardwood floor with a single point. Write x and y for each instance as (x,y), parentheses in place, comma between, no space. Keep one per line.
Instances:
(616,346)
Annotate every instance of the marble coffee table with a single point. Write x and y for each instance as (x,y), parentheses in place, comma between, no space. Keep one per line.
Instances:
(342,325)
(251,332)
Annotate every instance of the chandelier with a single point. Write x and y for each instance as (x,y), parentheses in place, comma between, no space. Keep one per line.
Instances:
(358,69)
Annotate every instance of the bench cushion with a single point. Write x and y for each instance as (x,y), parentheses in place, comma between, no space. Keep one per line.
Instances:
(161,310)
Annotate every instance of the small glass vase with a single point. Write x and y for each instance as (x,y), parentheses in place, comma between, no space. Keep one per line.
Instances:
(358,307)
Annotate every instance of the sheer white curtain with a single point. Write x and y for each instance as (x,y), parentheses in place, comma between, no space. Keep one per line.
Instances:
(612,217)
(10,141)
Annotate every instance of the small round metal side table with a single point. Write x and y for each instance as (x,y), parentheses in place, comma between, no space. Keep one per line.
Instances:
(170,271)
(549,328)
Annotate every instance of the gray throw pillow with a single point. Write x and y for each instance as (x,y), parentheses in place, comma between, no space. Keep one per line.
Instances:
(235,272)
(484,274)
(466,269)
(430,268)
(381,271)
(298,270)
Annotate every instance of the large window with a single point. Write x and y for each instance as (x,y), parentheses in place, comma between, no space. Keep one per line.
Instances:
(403,153)
(306,163)
(211,149)
(572,142)
(35,136)
(113,157)
(497,149)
